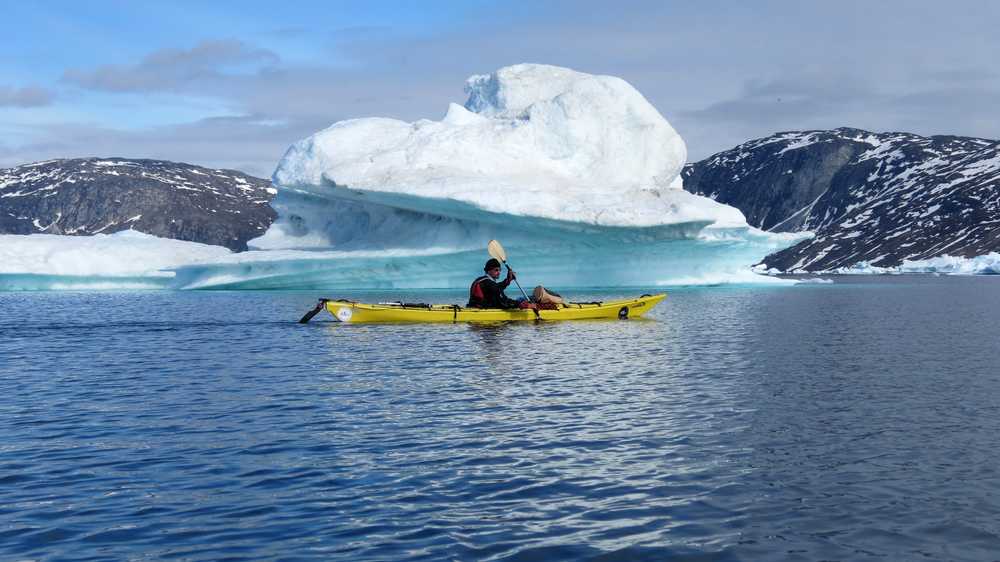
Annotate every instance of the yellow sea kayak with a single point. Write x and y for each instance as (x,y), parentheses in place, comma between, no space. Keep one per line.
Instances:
(356,312)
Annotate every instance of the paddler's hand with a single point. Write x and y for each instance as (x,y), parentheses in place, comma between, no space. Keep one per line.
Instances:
(510,274)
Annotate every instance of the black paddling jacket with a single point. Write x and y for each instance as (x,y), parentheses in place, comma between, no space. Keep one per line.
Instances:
(487,293)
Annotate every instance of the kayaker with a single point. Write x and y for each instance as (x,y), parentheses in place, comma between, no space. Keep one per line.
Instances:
(486,292)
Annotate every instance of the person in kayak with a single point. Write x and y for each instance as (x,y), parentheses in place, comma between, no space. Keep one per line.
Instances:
(486,292)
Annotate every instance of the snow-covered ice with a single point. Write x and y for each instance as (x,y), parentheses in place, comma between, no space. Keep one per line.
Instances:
(988,264)
(531,140)
(954,265)
(126,259)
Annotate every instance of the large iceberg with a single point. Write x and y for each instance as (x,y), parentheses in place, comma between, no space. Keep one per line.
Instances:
(578,175)
(532,141)
(560,150)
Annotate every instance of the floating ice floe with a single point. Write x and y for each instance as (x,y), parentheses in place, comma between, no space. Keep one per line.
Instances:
(988,264)
(863,268)
(123,260)
(953,265)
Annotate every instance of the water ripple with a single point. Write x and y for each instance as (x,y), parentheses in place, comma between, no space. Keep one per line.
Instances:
(821,422)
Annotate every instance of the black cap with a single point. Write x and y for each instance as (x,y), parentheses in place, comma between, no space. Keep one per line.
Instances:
(490,264)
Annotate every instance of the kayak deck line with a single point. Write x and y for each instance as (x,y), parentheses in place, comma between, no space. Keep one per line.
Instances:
(356,312)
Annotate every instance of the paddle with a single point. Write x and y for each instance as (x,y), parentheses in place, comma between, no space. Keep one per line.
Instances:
(496,251)
(309,315)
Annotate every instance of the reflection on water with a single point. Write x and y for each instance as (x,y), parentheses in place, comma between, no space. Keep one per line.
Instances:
(838,421)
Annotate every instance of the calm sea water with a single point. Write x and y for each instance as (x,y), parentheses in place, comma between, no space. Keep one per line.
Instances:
(848,421)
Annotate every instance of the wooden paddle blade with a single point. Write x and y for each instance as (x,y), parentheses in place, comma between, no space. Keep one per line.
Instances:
(496,251)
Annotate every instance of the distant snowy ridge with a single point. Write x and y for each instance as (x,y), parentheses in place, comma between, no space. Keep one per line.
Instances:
(873,198)
(86,196)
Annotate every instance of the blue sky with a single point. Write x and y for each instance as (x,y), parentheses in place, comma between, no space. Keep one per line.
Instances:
(232,84)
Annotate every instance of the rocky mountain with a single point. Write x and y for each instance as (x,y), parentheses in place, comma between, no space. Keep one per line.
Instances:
(166,199)
(880,198)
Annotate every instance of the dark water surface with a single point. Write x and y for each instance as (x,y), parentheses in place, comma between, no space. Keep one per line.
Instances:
(849,421)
